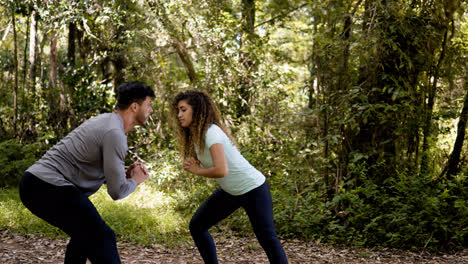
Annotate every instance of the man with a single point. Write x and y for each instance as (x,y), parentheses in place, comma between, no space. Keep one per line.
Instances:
(56,188)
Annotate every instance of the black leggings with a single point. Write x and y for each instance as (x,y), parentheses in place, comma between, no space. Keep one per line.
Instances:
(67,208)
(258,205)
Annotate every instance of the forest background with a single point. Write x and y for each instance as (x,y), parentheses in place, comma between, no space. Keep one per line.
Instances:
(355,110)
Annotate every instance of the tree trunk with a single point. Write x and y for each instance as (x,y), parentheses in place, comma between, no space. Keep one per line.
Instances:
(32,53)
(313,80)
(53,61)
(118,59)
(83,42)
(29,116)
(24,102)
(40,58)
(247,59)
(15,61)
(343,74)
(63,111)
(449,10)
(119,66)
(5,34)
(71,55)
(186,59)
(53,77)
(72,32)
(177,41)
(343,85)
(58,112)
(25,58)
(454,160)
(374,140)
(344,79)
(427,130)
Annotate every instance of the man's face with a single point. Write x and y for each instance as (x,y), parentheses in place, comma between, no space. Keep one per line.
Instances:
(144,110)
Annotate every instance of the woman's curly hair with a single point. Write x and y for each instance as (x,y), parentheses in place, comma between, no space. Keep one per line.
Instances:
(205,113)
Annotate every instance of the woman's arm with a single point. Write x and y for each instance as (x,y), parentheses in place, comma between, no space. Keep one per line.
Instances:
(219,169)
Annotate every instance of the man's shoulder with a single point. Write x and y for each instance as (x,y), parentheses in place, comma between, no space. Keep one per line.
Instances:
(102,117)
(106,122)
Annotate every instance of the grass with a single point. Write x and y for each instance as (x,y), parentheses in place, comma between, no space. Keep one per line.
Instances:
(157,212)
(15,217)
(145,217)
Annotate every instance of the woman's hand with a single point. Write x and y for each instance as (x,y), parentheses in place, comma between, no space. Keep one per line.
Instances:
(219,168)
(191,165)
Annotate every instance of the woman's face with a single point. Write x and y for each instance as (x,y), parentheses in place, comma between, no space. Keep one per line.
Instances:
(184,113)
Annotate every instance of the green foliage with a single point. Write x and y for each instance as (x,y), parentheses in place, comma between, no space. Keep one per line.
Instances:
(337,113)
(18,218)
(146,217)
(89,96)
(15,158)
(407,212)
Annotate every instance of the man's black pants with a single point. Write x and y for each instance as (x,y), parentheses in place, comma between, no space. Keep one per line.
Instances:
(67,208)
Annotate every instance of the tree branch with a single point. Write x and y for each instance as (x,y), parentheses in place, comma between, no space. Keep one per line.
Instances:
(284,14)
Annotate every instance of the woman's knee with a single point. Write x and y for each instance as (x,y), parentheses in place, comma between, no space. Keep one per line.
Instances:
(267,235)
(196,226)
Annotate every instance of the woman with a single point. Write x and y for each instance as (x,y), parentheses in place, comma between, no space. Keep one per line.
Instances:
(209,150)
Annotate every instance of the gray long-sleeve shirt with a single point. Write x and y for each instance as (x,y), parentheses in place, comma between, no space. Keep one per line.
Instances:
(90,155)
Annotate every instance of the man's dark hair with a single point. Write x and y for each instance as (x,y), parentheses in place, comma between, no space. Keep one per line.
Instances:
(132,92)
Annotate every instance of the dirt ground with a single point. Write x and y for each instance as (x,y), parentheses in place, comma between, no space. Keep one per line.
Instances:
(16,249)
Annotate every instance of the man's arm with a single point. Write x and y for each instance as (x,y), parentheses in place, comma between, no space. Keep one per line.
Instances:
(114,150)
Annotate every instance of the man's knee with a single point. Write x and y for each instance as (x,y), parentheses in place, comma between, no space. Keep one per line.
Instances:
(107,234)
